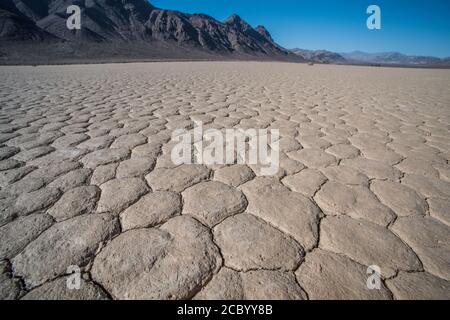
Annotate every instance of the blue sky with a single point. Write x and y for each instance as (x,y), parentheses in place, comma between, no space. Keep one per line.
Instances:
(420,27)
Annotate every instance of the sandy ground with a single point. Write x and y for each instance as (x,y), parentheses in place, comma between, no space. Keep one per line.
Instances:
(87,183)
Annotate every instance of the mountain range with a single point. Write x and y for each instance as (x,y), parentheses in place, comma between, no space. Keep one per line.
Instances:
(35,32)
(320,56)
(393,58)
(364,58)
(127,29)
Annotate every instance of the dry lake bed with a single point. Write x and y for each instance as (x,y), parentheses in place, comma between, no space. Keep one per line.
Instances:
(93,207)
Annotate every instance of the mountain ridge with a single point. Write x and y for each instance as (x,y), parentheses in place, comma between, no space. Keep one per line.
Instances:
(391,57)
(320,56)
(358,57)
(108,23)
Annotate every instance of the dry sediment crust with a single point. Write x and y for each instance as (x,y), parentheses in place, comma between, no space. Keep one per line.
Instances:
(86,178)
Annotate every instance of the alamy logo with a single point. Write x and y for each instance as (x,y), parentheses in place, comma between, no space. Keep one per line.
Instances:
(259,147)
(74,20)
(374,20)
(374,279)
(73,281)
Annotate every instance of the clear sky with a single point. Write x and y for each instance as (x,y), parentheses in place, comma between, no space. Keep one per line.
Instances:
(420,27)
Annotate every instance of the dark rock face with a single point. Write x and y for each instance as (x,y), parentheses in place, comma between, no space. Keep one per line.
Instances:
(244,37)
(135,21)
(16,27)
(263,31)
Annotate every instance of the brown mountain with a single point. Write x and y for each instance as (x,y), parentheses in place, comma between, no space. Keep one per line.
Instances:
(128,29)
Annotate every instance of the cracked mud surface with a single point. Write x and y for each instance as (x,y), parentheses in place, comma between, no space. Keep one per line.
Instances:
(86,179)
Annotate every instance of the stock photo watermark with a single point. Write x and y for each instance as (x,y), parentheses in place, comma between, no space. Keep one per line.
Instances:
(374,279)
(374,20)
(73,281)
(74,20)
(259,147)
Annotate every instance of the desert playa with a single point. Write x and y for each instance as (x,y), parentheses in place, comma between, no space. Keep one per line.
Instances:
(87,183)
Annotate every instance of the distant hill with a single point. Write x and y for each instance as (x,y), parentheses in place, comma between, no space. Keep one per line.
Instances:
(364,58)
(321,56)
(445,62)
(111,28)
(390,58)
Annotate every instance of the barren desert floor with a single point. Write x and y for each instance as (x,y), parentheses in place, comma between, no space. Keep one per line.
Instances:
(87,184)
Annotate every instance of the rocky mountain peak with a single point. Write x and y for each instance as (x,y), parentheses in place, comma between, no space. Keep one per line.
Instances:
(263,31)
(110,23)
(234,18)
(237,22)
